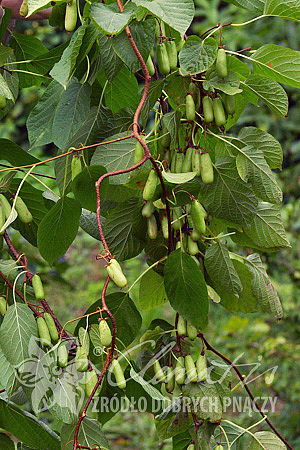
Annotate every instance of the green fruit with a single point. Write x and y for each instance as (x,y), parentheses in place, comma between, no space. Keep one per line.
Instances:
(179,163)
(2,102)
(196,166)
(22,210)
(170,380)
(191,331)
(164,227)
(118,373)
(176,221)
(191,447)
(84,339)
(148,209)
(180,371)
(150,66)
(105,333)
(221,63)
(43,332)
(38,288)
(81,360)
(187,163)
(24,8)
(201,365)
(152,227)
(51,326)
(115,272)
(219,447)
(173,162)
(181,326)
(2,218)
(229,103)
(2,306)
(172,54)
(166,137)
(71,16)
(76,167)
(192,247)
(5,206)
(162,58)
(139,152)
(91,380)
(198,216)
(150,185)
(190,368)
(62,355)
(190,108)
(208,112)
(219,113)
(207,171)
(159,373)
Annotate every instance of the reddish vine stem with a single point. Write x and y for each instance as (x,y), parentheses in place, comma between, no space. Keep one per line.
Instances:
(105,369)
(209,347)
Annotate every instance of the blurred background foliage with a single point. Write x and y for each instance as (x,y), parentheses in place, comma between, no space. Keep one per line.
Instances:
(76,280)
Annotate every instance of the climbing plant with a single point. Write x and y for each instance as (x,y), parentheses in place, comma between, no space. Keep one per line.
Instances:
(140,112)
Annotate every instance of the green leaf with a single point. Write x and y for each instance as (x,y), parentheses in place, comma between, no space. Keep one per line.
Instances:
(128,319)
(238,67)
(228,197)
(115,156)
(63,69)
(6,443)
(178,15)
(8,380)
(151,390)
(122,91)
(71,111)
(4,53)
(186,289)
(256,6)
(269,92)
(205,393)
(221,269)
(265,142)
(155,90)
(125,229)
(88,222)
(152,291)
(36,5)
(58,229)
(109,18)
(83,186)
(109,58)
(90,435)
(282,8)
(4,89)
(247,302)
(143,34)
(16,330)
(40,120)
(262,287)
(15,155)
(197,55)
(266,440)
(267,228)
(253,168)
(27,48)
(230,85)
(178,178)
(26,428)
(176,88)
(278,63)
(171,121)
